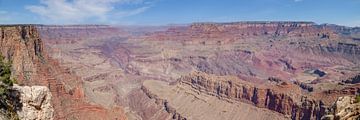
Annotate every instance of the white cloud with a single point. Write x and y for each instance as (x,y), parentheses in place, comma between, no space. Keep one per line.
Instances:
(132,12)
(298,0)
(77,11)
(355,23)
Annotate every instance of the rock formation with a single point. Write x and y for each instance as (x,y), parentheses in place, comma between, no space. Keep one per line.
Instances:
(352,79)
(249,51)
(179,100)
(344,108)
(22,45)
(103,72)
(284,98)
(35,103)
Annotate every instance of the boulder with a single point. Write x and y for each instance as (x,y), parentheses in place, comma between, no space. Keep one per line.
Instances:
(36,103)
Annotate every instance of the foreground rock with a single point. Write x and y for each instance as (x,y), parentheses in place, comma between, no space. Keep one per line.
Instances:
(345,108)
(32,66)
(35,103)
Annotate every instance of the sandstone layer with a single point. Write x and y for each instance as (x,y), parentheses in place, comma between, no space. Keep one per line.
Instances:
(22,45)
(344,108)
(184,103)
(35,103)
(294,69)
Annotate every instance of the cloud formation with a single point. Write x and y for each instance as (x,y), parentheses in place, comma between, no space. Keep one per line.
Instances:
(77,11)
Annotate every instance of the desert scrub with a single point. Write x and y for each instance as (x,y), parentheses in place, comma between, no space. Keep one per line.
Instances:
(357,98)
(9,98)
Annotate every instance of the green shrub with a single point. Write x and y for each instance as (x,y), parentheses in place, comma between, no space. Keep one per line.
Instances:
(357,98)
(8,101)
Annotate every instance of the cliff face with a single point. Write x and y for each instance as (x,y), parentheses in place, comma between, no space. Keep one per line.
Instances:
(344,108)
(350,51)
(284,98)
(279,96)
(241,30)
(114,65)
(179,100)
(22,45)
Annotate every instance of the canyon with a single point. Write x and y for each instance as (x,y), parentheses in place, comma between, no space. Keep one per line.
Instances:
(233,71)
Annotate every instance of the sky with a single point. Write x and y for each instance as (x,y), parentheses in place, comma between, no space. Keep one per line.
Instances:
(163,12)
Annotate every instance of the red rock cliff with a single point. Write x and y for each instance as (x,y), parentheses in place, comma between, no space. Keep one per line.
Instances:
(242,30)
(22,45)
(283,98)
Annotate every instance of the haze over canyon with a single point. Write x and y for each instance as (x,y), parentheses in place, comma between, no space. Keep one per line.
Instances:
(201,71)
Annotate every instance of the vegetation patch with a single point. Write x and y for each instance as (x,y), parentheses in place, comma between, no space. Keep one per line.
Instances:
(357,98)
(9,99)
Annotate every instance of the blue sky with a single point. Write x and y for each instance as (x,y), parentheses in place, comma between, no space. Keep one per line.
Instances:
(162,12)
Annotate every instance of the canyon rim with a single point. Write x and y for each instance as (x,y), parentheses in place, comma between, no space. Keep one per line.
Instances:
(79,60)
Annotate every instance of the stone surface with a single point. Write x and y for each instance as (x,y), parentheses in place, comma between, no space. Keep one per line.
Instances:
(31,66)
(185,103)
(112,65)
(35,102)
(344,108)
(284,98)
(97,72)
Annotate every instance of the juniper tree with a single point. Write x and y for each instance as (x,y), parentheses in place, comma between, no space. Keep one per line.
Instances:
(7,97)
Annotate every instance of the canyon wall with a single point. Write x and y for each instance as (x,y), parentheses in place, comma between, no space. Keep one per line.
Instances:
(115,66)
(284,98)
(22,45)
(276,95)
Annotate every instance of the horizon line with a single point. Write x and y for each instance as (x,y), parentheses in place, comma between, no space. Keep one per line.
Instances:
(181,24)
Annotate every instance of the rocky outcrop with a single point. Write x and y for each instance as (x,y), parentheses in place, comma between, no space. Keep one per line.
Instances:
(164,103)
(352,80)
(31,66)
(252,51)
(276,98)
(182,101)
(304,86)
(35,103)
(345,108)
(240,30)
(21,44)
(347,50)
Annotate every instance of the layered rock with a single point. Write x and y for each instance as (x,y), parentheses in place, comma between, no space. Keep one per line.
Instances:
(113,67)
(285,98)
(31,66)
(183,102)
(241,30)
(163,103)
(348,50)
(353,79)
(21,44)
(344,108)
